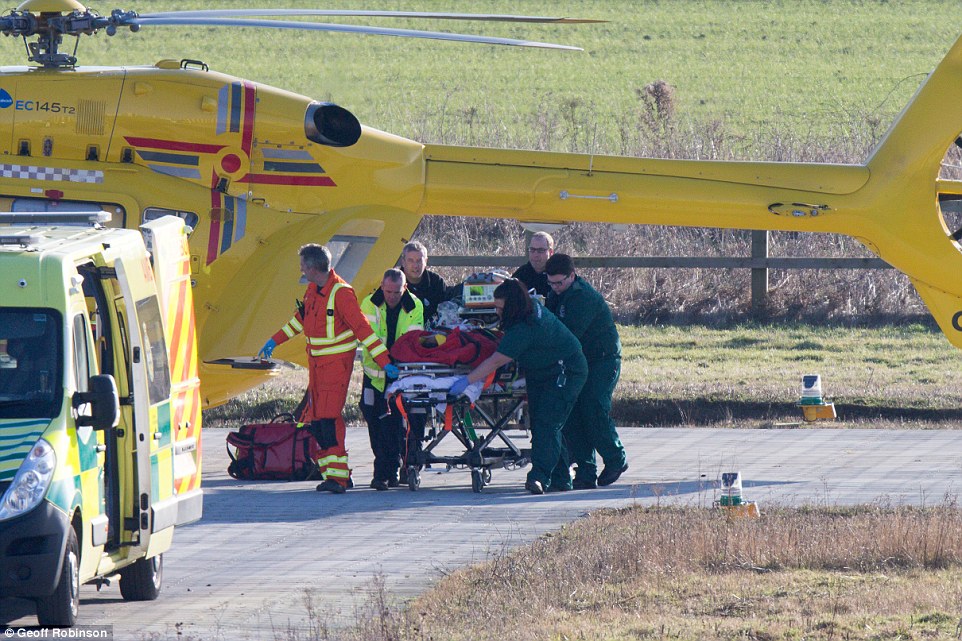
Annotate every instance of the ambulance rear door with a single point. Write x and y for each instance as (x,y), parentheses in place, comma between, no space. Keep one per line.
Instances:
(155,502)
(166,240)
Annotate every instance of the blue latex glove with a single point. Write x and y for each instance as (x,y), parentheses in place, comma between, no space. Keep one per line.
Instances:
(459,386)
(268,350)
(391,371)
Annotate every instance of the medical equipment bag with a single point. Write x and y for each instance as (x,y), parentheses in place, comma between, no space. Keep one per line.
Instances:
(275,451)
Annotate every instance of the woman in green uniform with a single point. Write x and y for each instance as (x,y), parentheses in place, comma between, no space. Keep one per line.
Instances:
(555,370)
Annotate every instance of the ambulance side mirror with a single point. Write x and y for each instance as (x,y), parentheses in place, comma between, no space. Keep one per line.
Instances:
(103,401)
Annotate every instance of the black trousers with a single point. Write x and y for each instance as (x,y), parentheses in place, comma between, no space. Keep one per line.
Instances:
(384,429)
(412,436)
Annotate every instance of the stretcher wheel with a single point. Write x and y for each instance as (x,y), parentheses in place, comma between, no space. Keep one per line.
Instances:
(477,481)
(414,479)
(486,475)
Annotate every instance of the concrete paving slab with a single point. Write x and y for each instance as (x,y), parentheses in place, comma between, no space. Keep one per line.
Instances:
(262,550)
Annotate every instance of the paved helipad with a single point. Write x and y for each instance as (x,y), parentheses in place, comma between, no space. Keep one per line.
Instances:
(244,570)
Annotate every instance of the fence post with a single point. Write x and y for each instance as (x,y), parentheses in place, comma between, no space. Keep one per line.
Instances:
(527,241)
(759,274)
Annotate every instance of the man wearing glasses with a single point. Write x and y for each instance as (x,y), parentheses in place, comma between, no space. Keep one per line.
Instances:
(532,273)
(589,427)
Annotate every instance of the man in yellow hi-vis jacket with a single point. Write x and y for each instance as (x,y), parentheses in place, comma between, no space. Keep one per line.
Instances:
(392,311)
(333,325)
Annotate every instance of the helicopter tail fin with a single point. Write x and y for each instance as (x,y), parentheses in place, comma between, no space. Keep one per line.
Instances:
(929,123)
(946,308)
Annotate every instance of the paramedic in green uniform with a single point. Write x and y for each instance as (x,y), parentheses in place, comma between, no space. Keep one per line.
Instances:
(589,428)
(554,369)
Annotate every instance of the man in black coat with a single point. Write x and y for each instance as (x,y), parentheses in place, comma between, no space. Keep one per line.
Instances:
(422,282)
(532,273)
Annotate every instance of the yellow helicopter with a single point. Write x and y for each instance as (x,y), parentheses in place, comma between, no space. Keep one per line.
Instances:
(258,171)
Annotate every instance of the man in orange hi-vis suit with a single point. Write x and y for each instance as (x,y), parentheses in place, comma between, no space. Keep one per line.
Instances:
(331,320)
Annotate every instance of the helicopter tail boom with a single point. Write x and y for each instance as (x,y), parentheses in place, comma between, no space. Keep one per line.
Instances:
(546,186)
(896,218)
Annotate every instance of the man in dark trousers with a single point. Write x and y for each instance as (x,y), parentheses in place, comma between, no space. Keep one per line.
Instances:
(333,326)
(589,427)
(532,273)
(391,311)
(426,285)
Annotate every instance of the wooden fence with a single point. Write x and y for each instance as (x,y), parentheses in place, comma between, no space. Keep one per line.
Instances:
(759,262)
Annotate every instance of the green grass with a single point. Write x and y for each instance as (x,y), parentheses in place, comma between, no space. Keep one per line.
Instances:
(751,375)
(745,376)
(800,66)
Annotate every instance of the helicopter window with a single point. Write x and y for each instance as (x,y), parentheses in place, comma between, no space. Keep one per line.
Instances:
(118,217)
(190,218)
(348,253)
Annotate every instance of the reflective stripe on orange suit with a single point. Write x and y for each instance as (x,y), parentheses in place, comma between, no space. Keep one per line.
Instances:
(331,341)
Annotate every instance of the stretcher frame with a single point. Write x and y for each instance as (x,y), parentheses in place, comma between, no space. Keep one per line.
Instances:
(496,406)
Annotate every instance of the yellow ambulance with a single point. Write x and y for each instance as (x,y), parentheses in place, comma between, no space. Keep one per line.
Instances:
(100,453)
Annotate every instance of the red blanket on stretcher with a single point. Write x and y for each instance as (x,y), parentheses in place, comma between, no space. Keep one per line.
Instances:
(467,348)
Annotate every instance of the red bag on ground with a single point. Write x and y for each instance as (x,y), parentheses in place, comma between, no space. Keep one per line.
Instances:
(454,348)
(275,451)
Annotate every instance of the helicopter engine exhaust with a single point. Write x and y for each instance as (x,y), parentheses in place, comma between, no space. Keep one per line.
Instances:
(328,124)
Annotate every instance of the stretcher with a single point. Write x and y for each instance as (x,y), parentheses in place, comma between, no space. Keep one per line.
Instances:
(472,431)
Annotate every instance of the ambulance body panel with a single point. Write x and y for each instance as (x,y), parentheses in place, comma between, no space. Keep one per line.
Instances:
(99,406)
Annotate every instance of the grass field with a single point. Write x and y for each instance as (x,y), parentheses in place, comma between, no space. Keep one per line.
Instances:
(787,66)
(751,375)
(744,376)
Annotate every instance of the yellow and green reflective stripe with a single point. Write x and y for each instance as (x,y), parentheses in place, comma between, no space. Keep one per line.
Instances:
(323,340)
(338,349)
(330,307)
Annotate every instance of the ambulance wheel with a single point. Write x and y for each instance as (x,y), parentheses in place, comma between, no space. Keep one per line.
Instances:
(60,609)
(477,481)
(414,479)
(141,580)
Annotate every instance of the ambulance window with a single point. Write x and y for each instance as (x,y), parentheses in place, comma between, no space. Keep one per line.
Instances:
(190,218)
(123,387)
(155,349)
(81,359)
(31,358)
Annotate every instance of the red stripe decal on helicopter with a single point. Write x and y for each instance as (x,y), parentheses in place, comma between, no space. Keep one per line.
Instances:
(247,136)
(214,240)
(309,181)
(228,222)
(173,145)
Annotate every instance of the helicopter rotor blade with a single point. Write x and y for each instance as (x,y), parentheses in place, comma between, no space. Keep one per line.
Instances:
(487,17)
(141,21)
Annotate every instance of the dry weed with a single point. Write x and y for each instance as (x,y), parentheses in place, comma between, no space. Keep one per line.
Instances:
(861,573)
